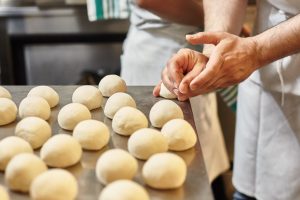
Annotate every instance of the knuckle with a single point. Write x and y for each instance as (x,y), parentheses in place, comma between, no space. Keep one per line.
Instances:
(184,51)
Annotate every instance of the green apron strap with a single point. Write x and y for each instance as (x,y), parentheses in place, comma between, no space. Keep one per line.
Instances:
(99,9)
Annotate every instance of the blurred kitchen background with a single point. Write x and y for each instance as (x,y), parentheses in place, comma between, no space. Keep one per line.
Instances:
(39,38)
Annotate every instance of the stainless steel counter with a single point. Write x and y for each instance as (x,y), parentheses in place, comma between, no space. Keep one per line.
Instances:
(195,187)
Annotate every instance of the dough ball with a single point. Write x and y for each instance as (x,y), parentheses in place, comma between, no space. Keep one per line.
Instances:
(8,111)
(11,146)
(180,134)
(46,92)
(145,142)
(34,106)
(3,193)
(124,190)
(117,101)
(21,171)
(55,184)
(164,171)
(91,134)
(71,114)
(163,111)
(127,120)
(115,164)
(61,150)
(89,96)
(34,130)
(111,84)
(164,92)
(4,93)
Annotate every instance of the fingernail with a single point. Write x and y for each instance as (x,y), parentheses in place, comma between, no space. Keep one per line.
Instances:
(183,88)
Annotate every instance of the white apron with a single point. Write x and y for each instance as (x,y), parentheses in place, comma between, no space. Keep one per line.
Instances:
(267,145)
(149,44)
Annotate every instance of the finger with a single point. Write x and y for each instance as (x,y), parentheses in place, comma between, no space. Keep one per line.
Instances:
(223,83)
(201,92)
(169,84)
(165,78)
(209,74)
(177,65)
(184,85)
(182,98)
(206,38)
(214,84)
(156,89)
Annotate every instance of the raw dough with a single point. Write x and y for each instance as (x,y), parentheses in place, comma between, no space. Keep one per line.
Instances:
(34,130)
(11,146)
(71,114)
(3,193)
(111,84)
(128,120)
(34,106)
(8,111)
(164,171)
(91,134)
(164,92)
(145,142)
(116,164)
(163,111)
(117,101)
(21,171)
(180,134)
(89,96)
(4,93)
(124,190)
(55,184)
(61,150)
(46,92)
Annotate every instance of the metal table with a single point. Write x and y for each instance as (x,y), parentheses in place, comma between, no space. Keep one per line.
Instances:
(195,187)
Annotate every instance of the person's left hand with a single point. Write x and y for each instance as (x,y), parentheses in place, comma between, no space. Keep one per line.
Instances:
(180,70)
(232,60)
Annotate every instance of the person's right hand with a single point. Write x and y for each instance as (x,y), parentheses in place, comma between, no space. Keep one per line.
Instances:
(232,60)
(180,70)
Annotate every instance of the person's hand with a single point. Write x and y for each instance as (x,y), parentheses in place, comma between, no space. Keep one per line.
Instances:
(156,89)
(231,61)
(180,70)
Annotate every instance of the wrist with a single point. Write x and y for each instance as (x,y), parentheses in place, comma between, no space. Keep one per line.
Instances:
(260,49)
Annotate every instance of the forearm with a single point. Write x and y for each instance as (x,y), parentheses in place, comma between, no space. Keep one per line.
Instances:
(225,16)
(188,12)
(279,41)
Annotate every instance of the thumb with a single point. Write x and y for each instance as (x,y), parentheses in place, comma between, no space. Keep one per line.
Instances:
(188,78)
(208,74)
(156,89)
(206,38)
